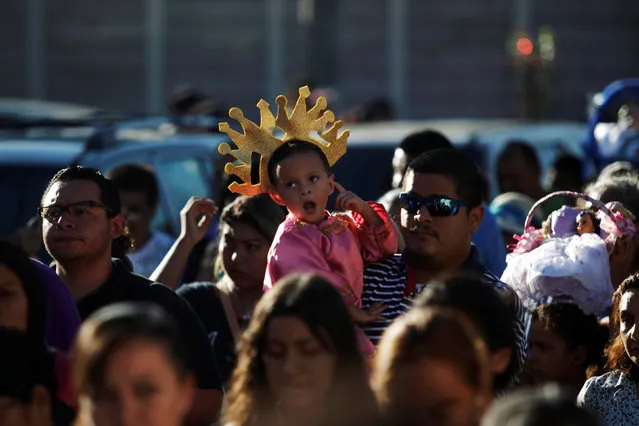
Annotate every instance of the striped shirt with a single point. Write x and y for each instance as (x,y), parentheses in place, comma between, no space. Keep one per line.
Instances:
(386,280)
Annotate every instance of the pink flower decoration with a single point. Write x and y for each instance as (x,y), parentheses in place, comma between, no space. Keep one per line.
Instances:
(528,241)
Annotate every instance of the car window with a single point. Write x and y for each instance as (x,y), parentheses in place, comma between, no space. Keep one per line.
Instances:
(180,179)
(21,187)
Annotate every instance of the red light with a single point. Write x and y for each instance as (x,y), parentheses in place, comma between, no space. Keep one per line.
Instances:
(525,46)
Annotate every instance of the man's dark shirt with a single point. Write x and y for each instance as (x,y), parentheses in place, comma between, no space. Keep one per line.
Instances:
(124,286)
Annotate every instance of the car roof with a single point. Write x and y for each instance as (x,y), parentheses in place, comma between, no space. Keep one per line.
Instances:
(40,152)
(458,131)
(36,109)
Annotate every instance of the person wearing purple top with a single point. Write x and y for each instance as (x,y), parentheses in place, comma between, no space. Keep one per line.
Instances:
(62,317)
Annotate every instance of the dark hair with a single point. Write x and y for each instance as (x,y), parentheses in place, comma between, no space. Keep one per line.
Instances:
(617,357)
(111,328)
(319,305)
(457,167)
(487,306)
(183,98)
(259,212)
(526,151)
(572,166)
(576,329)
(24,364)
(443,334)
(418,143)
(17,260)
(290,148)
(109,196)
(136,177)
(542,406)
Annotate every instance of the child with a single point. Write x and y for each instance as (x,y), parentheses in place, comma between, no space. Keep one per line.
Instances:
(311,239)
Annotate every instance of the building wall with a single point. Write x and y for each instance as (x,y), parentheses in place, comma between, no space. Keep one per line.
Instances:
(457,63)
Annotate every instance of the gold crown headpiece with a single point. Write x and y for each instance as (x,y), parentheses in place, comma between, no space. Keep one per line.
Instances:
(298,125)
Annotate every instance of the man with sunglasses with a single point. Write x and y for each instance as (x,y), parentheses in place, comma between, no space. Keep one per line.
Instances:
(82,219)
(441,208)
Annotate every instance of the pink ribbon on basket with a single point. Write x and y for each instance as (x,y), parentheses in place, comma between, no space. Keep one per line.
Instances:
(528,241)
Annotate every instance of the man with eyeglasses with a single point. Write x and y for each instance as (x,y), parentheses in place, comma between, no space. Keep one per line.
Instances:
(82,219)
(441,207)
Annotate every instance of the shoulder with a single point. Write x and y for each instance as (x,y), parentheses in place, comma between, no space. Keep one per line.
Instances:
(198,292)
(391,265)
(597,391)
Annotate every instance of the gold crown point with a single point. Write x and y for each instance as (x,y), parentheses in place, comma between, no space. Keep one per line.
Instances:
(305,92)
(224,148)
(223,127)
(236,114)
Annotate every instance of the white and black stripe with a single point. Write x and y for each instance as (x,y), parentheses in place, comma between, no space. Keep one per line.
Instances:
(386,280)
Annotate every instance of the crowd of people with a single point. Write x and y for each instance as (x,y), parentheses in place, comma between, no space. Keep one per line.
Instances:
(433,306)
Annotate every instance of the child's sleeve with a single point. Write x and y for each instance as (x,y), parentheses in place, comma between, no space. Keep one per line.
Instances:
(296,251)
(377,242)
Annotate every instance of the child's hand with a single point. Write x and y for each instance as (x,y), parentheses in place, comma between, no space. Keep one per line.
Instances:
(347,200)
(361,316)
(195,218)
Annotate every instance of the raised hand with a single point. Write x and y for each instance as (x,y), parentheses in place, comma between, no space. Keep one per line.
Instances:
(347,200)
(195,218)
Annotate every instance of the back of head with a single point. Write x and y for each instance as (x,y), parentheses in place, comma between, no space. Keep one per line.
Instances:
(525,150)
(418,143)
(624,189)
(488,307)
(548,405)
(136,178)
(511,209)
(428,334)
(617,169)
(455,166)
(258,211)
(24,364)
(111,328)
(17,261)
(183,98)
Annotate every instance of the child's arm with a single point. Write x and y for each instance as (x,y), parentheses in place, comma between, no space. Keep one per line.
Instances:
(363,316)
(371,225)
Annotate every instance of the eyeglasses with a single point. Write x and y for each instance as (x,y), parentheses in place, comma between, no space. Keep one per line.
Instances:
(437,206)
(53,212)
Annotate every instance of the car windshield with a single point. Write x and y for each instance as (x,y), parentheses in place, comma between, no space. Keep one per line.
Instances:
(21,188)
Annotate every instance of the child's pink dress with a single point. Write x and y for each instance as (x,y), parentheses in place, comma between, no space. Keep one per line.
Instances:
(335,249)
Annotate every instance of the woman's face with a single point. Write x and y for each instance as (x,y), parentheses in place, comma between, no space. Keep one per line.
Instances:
(14,306)
(299,369)
(431,392)
(244,251)
(141,388)
(629,323)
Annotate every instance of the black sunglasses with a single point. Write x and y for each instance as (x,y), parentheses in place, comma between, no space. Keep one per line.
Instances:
(53,212)
(437,206)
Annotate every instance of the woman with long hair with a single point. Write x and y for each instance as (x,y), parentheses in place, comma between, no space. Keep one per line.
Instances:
(299,362)
(432,368)
(614,395)
(130,369)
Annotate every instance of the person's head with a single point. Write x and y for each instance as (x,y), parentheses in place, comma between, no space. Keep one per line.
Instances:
(622,352)
(411,147)
(247,228)
(301,179)
(519,170)
(82,216)
(300,353)
(510,211)
(431,368)
(491,309)
(624,258)
(542,406)
(138,188)
(22,293)
(441,207)
(617,169)
(566,345)
(28,383)
(183,99)
(130,368)
(566,174)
